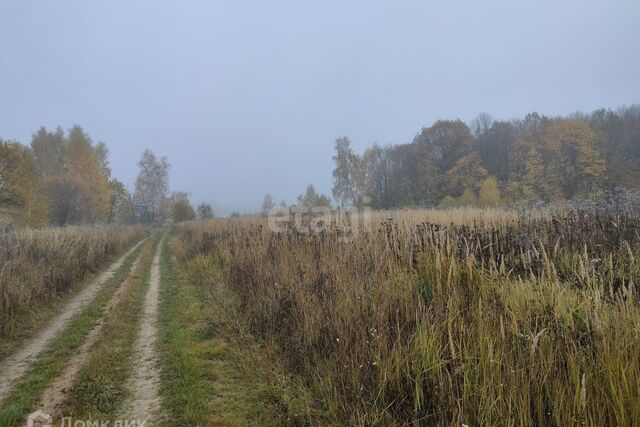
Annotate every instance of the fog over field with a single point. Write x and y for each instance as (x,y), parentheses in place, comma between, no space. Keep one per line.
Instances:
(246,98)
(295,213)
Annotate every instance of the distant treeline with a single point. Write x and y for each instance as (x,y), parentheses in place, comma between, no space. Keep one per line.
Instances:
(63,179)
(537,159)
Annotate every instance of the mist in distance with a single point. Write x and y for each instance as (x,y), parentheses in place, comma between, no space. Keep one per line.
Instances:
(246,98)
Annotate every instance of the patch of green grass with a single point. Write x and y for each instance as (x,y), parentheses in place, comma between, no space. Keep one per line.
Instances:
(211,374)
(100,388)
(53,360)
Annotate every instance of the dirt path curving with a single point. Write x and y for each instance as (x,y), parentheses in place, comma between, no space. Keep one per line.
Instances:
(145,404)
(55,393)
(15,365)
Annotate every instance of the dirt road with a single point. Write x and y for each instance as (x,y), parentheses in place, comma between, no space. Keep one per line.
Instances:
(55,393)
(16,365)
(143,385)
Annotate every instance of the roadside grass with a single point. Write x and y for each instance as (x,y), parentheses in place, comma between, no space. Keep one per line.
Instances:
(37,319)
(37,266)
(101,386)
(212,373)
(526,323)
(52,361)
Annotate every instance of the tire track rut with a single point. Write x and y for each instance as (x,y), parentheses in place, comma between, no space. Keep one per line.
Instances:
(145,403)
(16,364)
(55,393)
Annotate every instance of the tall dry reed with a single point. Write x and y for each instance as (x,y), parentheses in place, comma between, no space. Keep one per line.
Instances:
(530,320)
(38,265)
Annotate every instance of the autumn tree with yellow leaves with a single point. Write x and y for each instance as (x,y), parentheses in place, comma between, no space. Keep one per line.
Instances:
(574,165)
(76,175)
(23,198)
(524,161)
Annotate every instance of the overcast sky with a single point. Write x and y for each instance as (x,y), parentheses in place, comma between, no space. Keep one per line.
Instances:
(247,97)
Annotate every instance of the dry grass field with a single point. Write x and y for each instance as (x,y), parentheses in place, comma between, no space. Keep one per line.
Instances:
(421,317)
(41,265)
(463,317)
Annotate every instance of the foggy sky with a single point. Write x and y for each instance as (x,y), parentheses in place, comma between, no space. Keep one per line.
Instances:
(247,97)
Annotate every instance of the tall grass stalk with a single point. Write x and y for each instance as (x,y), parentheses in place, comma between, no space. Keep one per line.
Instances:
(36,266)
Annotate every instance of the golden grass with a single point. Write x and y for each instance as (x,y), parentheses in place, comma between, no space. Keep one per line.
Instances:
(36,266)
(513,320)
(457,216)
